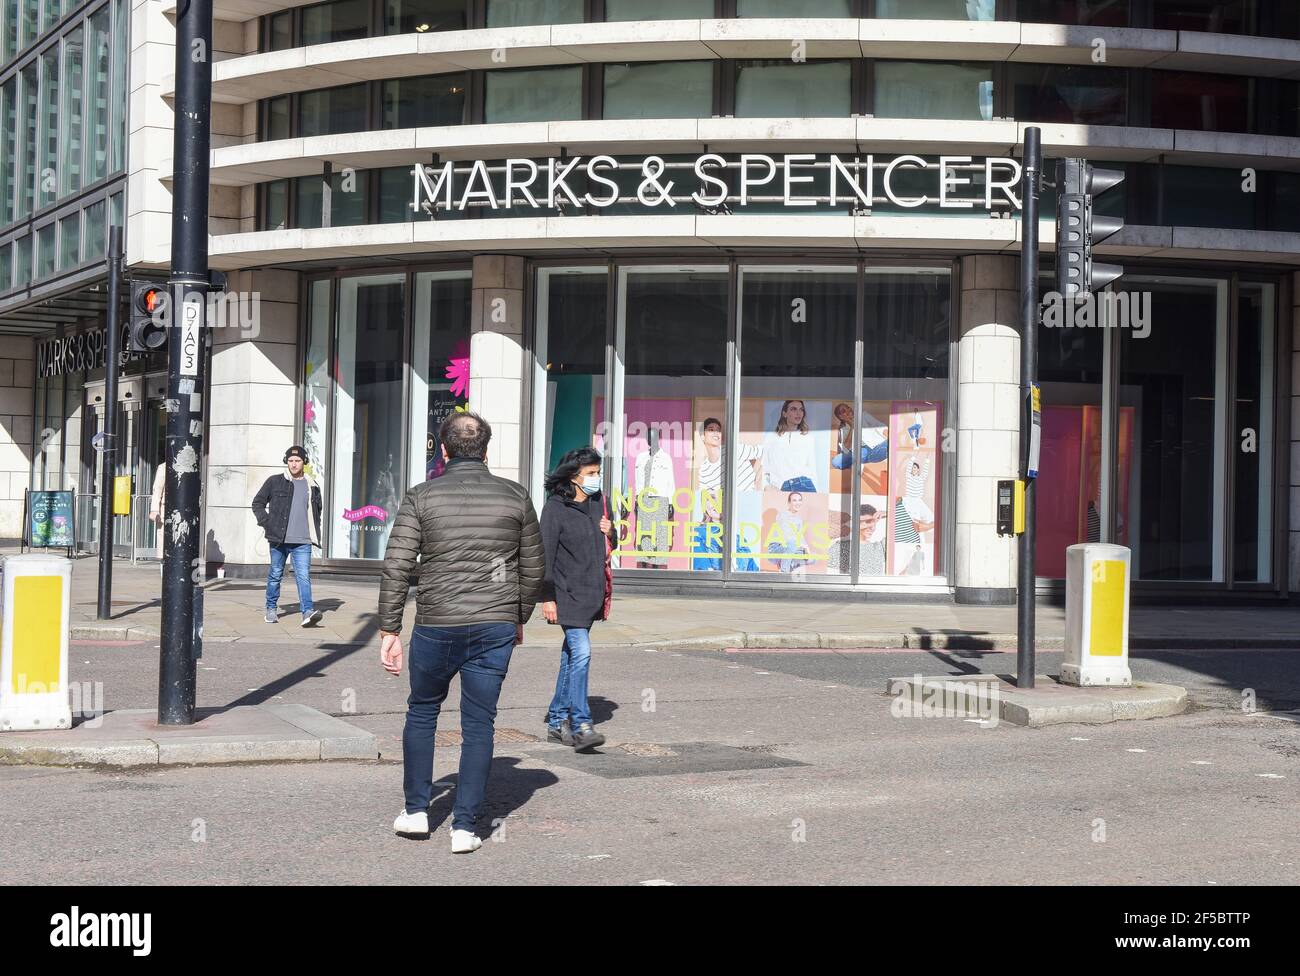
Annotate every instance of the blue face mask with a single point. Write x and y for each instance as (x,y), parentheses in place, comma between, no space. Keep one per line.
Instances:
(591,485)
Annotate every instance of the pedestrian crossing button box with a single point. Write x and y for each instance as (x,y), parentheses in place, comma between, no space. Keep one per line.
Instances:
(1006,507)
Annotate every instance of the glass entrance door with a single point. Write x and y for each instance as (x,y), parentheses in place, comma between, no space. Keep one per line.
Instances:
(127,426)
(790,499)
(153,451)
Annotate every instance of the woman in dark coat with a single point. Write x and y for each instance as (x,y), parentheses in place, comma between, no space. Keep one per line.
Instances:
(575,528)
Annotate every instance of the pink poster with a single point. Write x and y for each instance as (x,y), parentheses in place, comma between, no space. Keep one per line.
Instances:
(915,468)
(653,496)
(1061,466)
(1069,483)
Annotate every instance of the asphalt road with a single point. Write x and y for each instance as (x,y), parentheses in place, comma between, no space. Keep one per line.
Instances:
(721,768)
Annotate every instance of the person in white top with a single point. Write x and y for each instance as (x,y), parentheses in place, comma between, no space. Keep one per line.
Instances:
(654,470)
(156,502)
(914,485)
(789,460)
(159,495)
(710,470)
(875,439)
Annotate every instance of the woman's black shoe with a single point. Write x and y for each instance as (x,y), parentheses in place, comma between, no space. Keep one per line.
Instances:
(562,735)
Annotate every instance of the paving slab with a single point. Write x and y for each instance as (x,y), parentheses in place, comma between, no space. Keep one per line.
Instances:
(1049,702)
(274,732)
(338,739)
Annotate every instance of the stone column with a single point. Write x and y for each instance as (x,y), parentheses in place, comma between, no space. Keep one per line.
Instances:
(150,129)
(251,417)
(16,381)
(988,426)
(496,357)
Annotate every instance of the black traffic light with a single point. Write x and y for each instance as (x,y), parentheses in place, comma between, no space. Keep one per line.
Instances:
(148,329)
(1079,228)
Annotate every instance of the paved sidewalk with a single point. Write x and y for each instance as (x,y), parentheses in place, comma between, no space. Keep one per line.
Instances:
(233,611)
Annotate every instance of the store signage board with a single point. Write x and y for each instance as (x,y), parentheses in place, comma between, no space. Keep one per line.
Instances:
(793,179)
(49,520)
(79,352)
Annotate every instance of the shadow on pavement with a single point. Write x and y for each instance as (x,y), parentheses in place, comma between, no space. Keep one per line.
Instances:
(151,605)
(602,709)
(1267,680)
(508,789)
(953,640)
(335,652)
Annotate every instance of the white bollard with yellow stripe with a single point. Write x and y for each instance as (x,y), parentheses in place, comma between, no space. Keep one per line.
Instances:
(1096,615)
(34,651)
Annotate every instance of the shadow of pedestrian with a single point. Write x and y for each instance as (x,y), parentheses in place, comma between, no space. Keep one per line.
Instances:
(509,788)
(967,643)
(602,709)
(138,608)
(214,555)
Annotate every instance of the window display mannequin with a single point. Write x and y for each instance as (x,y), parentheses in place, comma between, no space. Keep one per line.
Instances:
(655,487)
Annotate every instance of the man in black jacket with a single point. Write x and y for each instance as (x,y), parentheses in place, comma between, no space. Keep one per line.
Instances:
(288,508)
(480,564)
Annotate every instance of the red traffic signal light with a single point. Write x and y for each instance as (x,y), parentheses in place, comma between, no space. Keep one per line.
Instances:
(148,327)
(150,299)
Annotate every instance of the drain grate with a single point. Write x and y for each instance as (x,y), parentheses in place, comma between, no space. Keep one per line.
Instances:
(648,749)
(451,738)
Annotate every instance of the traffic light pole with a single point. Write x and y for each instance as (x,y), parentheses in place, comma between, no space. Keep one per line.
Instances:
(188,287)
(1031,184)
(108,456)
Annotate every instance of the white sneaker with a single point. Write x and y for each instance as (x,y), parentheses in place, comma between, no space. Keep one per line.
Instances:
(412,824)
(464,842)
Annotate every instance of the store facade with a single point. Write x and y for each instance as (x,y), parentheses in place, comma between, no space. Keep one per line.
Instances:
(767,265)
(68,413)
(769,268)
(837,420)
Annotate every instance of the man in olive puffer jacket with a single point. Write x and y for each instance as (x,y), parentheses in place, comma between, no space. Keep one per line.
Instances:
(480,566)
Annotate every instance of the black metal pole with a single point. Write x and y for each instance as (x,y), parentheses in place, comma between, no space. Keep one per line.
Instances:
(185,360)
(1031,184)
(108,455)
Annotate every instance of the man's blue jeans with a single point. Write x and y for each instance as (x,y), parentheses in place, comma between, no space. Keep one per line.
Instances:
(480,654)
(570,699)
(301,558)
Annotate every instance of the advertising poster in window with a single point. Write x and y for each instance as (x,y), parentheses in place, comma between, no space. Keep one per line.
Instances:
(914,488)
(447,395)
(873,451)
(316,390)
(791,469)
(784,514)
(654,499)
(709,462)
